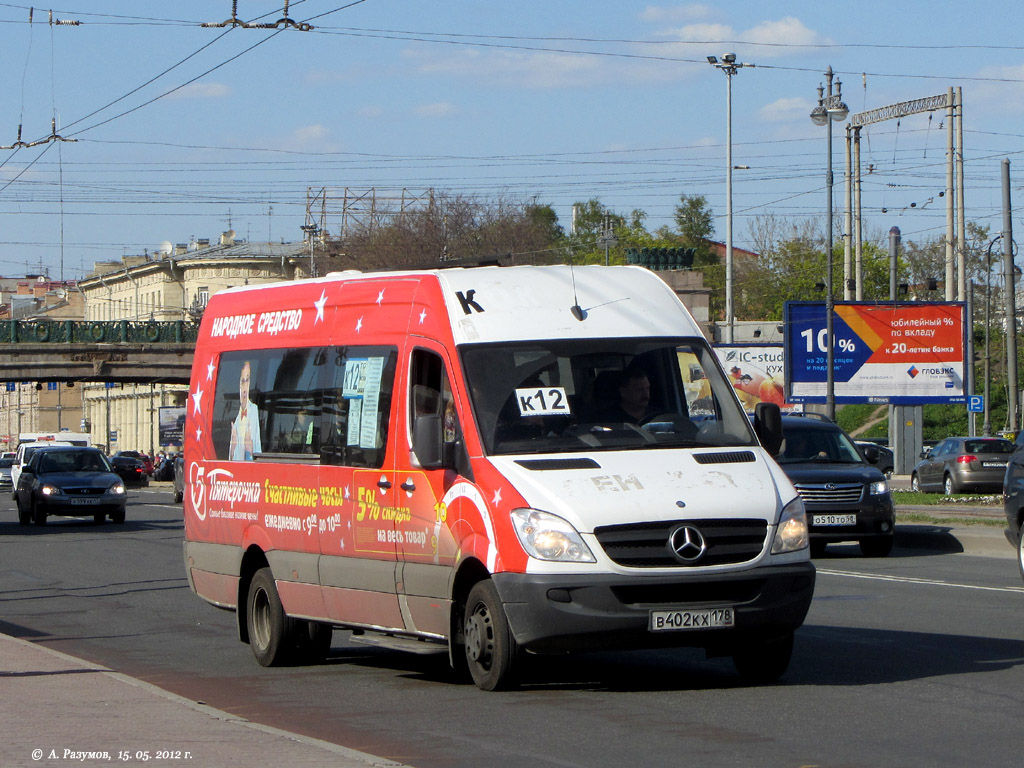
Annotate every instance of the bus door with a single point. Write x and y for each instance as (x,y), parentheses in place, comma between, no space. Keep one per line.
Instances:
(427,548)
(358,536)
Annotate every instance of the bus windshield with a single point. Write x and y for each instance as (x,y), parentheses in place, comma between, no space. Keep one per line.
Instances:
(554,396)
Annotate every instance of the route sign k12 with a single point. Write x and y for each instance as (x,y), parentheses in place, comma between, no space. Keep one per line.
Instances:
(906,354)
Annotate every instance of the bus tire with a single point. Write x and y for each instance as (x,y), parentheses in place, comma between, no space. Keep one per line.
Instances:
(312,641)
(269,627)
(491,650)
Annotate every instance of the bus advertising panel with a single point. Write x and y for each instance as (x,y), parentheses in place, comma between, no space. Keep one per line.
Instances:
(905,354)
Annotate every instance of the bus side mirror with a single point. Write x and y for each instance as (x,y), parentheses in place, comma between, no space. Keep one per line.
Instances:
(768,426)
(427,441)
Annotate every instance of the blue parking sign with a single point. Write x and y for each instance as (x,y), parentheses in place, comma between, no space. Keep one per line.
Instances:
(975,403)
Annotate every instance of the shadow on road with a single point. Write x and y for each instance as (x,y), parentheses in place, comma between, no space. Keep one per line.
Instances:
(823,655)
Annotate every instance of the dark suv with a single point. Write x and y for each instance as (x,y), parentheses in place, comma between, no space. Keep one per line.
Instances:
(1013,499)
(846,496)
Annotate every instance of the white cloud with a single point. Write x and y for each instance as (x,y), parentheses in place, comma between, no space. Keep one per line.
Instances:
(536,70)
(785,110)
(996,98)
(310,138)
(201,91)
(437,109)
(675,13)
(769,38)
(527,70)
(703,33)
(328,77)
(786,31)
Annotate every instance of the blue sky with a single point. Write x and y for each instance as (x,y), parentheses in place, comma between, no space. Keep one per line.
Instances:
(181,129)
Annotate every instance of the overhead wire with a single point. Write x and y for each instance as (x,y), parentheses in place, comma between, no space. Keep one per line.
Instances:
(577,182)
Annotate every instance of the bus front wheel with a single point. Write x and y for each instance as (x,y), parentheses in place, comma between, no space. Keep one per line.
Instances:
(491,650)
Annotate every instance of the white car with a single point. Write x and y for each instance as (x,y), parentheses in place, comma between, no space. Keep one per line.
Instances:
(24,453)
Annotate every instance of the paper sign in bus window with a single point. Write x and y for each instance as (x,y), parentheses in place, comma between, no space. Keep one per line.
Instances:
(361,387)
(542,401)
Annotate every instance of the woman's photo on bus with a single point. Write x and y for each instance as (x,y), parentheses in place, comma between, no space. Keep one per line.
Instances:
(245,429)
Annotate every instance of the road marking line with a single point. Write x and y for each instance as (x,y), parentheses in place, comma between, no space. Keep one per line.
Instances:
(914,580)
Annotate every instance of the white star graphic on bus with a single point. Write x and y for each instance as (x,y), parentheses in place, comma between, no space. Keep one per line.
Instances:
(497,497)
(348,497)
(196,398)
(423,316)
(210,368)
(199,434)
(359,325)
(319,304)
(380,297)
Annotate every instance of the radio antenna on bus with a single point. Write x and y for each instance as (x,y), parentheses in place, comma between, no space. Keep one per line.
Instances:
(577,311)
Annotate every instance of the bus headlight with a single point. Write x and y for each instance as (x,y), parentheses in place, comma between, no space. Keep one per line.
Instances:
(548,537)
(791,533)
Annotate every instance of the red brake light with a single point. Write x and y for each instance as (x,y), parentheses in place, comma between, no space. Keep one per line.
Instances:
(966,459)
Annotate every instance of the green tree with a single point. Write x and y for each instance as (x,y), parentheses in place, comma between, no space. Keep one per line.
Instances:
(695,225)
(793,271)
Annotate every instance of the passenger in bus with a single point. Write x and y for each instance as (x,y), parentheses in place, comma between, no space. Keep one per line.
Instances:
(245,429)
(301,438)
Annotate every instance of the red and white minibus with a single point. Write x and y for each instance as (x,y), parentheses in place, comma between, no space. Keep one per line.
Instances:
(488,462)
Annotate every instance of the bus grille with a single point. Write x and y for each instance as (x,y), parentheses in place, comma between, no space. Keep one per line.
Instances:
(646,545)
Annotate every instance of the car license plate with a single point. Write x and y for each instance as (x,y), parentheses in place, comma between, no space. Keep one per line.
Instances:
(1001,464)
(850,519)
(673,621)
(85,501)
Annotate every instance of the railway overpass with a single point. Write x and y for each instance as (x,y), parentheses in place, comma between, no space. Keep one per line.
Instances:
(118,351)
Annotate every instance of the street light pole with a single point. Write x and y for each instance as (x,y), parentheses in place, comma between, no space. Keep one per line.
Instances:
(730,67)
(830,108)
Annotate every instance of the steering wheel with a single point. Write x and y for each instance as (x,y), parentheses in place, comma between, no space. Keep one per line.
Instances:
(680,424)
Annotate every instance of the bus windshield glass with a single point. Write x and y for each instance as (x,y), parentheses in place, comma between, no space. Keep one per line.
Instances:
(573,395)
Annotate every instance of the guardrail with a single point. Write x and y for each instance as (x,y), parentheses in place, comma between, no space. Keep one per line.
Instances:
(96,332)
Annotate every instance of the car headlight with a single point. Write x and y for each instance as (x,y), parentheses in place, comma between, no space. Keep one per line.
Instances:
(791,533)
(878,488)
(549,537)
(49,489)
(117,489)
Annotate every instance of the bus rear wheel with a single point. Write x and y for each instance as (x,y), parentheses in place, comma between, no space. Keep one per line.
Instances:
(269,627)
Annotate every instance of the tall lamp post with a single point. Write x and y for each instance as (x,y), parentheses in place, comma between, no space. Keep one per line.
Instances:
(830,108)
(729,65)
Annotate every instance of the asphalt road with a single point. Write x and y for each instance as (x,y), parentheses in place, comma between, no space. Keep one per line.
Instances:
(912,660)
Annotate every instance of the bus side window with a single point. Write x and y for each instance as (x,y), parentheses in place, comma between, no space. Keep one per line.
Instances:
(291,400)
(356,406)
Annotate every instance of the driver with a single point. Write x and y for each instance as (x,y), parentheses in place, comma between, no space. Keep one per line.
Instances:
(634,397)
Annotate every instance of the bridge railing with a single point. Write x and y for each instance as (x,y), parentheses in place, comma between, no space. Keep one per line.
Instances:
(96,332)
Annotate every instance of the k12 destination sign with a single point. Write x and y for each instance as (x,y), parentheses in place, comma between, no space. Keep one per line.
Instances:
(906,354)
